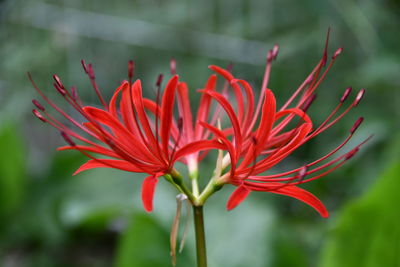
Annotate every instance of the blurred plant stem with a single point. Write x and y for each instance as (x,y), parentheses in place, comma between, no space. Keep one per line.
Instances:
(200,236)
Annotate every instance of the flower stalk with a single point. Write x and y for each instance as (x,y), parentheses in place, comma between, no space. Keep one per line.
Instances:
(200,236)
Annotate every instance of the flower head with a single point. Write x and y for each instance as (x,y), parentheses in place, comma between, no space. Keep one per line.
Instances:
(133,133)
(255,147)
(136,134)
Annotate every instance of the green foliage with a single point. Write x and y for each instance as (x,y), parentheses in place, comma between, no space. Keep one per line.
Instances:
(145,244)
(12,171)
(368,231)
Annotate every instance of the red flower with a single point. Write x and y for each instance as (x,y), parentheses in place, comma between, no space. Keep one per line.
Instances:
(135,134)
(254,148)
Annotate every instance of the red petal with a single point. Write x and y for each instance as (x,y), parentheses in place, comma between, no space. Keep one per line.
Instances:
(137,99)
(204,106)
(99,150)
(112,106)
(185,111)
(232,116)
(129,141)
(167,107)
(108,163)
(197,146)
(304,196)
(292,191)
(236,88)
(265,127)
(148,189)
(226,74)
(237,197)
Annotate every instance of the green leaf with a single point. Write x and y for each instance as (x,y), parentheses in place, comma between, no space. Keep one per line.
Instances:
(144,244)
(12,170)
(368,231)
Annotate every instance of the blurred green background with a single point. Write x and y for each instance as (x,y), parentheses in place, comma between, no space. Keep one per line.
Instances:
(50,218)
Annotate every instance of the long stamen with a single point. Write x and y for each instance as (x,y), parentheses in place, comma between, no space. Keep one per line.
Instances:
(89,71)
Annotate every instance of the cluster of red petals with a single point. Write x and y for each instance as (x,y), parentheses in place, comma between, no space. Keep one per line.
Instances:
(262,135)
(136,134)
(131,132)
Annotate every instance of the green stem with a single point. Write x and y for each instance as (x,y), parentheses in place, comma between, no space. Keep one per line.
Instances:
(200,236)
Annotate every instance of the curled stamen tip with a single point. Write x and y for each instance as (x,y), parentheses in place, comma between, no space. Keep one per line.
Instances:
(91,72)
(351,154)
(172,66)
(273,53)
(356,125)
(37,104)
(38,115)
(308,102)
(159,80)
(359,97)
(337,53)
(58,81)
(130,68)
(74,93)
(346,94)
(84,66)
(59,89)
(67,138)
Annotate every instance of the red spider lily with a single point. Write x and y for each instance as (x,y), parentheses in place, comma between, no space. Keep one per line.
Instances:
(257,147)
(134,133)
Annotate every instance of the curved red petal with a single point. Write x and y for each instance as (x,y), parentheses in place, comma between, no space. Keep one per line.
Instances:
(198,146)
(237,197)
(291,191)
(148,189)
(167,108)
(223,72)
(112,105)
(99,150)
(108,163)
(304,196)
(204,106)
(232,116)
